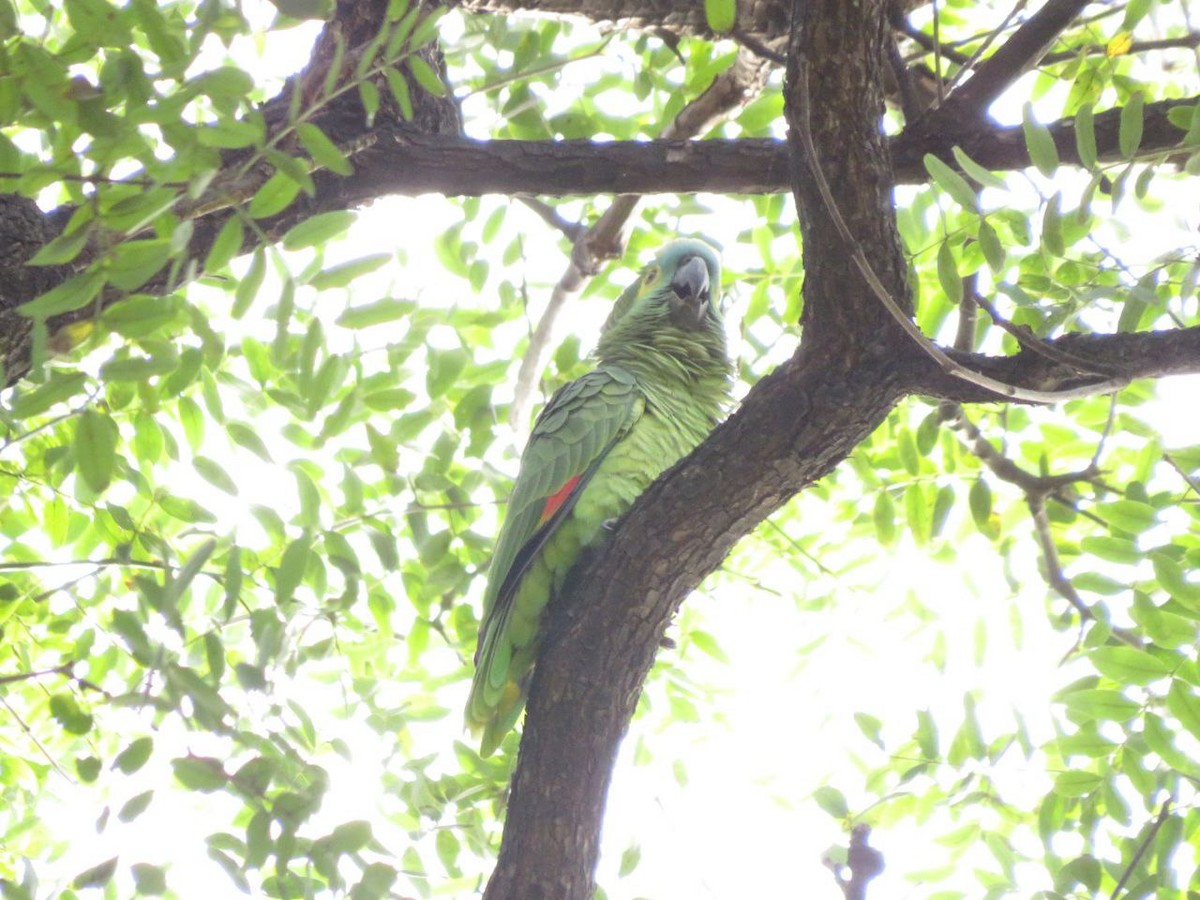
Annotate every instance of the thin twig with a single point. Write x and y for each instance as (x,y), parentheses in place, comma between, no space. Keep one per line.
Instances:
(944,362)
(64,669)
(1188,479)
(910,103)
(987,42)
(573,231)
(1106,433)
(937,54)
(1187,42)
(799,548)
(1058,579)
(29,734)
(50,423)
(1163,812)
(1037,489)
(1031,342)
(754,45)
(13,565)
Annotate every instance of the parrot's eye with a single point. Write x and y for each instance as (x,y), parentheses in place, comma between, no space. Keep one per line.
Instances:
(652,274)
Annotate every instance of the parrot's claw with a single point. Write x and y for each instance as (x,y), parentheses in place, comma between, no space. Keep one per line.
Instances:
(610,525)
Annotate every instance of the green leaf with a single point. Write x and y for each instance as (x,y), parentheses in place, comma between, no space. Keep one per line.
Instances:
(291,568)
(142,315)
(274,196)
(1114,549)
(62,386)
(133,263)
(831,800)
(368,93)
(226,245)
(135,806)
(324,153)
(232,134)
(1174,581)
(927,734)
(248,287)
(212,472)
(1052,234)
(399,88)
(1100,704)
(134,756)
(63,248)
(379,312)
(1085,136)
(179,581)
(69,715)
(444,368)
(350,837)
(200,773)
(1129,136)
(947,271)
(1130,516)
(1076,784)
(74,293)
(95,447)
(344,273)
(245,436)
(233,579)
(318,230)
(185,510)
(985,177)
(884,517)
(629,860)
(88,768)
(1184,705)
(951,182)
(1039,142)
(148,880)
(1128,665)
(426,77)
(97,876)
(993,249)
(720,15)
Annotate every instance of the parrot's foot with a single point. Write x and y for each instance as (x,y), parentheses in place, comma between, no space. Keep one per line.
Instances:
(610,525)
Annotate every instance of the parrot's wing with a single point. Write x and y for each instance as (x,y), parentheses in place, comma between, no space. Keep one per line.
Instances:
(574,433)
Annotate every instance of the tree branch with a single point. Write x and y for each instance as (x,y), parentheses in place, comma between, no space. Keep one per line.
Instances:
(1152,354)
(1014,57)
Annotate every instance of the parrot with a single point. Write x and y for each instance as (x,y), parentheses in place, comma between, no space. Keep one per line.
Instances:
(661,382)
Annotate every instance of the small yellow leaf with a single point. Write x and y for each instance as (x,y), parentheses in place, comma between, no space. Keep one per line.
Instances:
(1120,44)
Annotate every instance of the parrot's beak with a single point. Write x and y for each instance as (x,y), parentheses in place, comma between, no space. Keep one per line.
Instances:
(690,286)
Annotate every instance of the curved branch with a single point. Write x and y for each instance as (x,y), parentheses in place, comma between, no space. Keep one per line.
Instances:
(1152,354)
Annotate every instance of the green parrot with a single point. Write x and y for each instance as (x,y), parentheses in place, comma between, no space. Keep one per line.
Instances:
(661,381)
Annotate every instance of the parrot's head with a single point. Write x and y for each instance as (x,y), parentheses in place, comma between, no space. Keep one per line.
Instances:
(679,289)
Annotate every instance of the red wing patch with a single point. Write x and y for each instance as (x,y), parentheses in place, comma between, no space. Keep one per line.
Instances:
(557,499)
